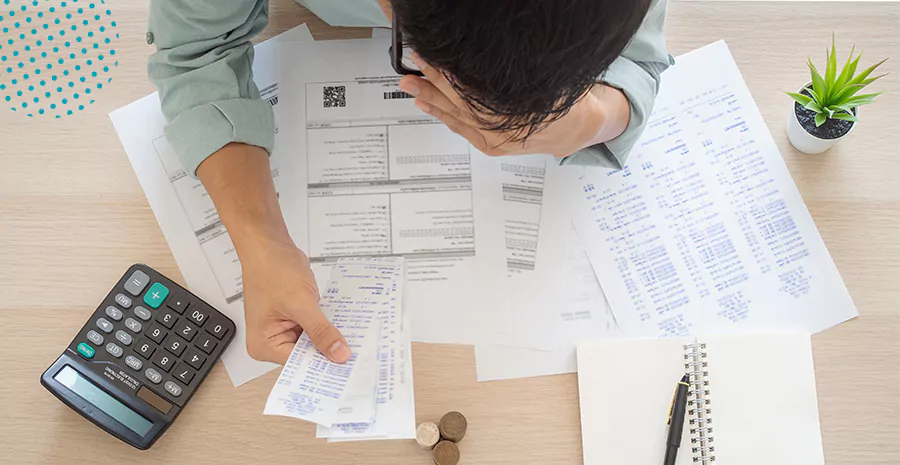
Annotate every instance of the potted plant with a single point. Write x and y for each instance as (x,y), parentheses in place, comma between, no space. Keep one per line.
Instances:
(826,109)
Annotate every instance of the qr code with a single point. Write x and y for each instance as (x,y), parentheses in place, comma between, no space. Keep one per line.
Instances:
(334,97)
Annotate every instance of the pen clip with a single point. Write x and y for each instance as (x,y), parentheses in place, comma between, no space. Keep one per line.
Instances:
(672,405)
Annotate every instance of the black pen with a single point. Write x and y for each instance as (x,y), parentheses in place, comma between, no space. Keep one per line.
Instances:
(676,419)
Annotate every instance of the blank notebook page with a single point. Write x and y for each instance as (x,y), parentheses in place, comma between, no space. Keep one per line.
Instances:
(761,389)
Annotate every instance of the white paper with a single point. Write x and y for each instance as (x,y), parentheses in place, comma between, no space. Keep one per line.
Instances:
(762,394)
(554,306)
(395,414)
(385,179)
(704,230)
(189,222)
(362,299)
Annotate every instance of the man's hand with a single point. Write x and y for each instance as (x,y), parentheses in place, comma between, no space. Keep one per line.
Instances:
(281,299)
(600,116)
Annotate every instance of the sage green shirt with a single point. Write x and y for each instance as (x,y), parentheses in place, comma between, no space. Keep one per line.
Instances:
(203,69)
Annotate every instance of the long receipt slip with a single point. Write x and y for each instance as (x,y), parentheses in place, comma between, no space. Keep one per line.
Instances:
(369,396)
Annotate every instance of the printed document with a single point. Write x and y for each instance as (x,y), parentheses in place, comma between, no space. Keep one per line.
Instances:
(363,300)
(704,230)
(386,180)
(189,221)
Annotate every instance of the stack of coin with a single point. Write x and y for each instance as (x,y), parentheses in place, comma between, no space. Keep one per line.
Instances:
(441,438)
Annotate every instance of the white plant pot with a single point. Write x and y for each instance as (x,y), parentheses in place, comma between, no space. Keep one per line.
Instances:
(806,142)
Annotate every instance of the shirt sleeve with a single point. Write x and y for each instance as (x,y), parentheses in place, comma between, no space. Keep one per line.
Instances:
(203,70)
(636,72)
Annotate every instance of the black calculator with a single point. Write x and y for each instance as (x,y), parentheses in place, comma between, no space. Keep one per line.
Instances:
(140,357)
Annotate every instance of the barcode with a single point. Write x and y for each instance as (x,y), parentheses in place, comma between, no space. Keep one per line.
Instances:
(273,101)
(334,96)
(396,94)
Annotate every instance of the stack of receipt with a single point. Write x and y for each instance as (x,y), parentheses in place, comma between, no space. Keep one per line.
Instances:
(370,396)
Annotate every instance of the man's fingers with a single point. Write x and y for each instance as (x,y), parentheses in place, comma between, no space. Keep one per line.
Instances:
(471,134)
(276,347)
(423,90)
(325,336)
(437,78)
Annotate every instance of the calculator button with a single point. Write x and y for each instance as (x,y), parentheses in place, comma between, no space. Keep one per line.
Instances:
(95,337)
(173,388)
(105,325)
(184,374)
(155,295)
(124,337)
(142,313)
(198,316)
(153,375)
(133,325)
(145,348)
(85,350)
(157,333)
(217,328)
(186,330)
(123,300)
(194,358)
(137,282)
(178,303)
(164,360)
(114,313)
(134,362)
(175,345)
(167,318)
(114,350)
(205,343)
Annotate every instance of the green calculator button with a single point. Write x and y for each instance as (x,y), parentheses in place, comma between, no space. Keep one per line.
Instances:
(85,350)
(155,295)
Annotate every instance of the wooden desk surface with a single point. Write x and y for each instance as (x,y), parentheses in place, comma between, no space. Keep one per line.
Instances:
(72,218)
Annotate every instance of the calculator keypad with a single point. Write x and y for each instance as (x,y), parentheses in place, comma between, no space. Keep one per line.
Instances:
(114,313)
(205,343)
(133,325)
(175,345)
(167,318)
(124,337)
(157,333)
(114,350)
(134,362)
(160,333)
(186,330)
(95,337)
(142,313)
(164,360)
(105,325)
(145,348)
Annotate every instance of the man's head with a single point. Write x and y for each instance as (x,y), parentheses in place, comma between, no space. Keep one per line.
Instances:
(519,63)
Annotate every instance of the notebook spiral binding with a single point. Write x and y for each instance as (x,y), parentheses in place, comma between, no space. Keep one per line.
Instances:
(699,411)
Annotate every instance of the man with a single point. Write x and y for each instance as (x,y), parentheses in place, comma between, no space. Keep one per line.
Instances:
(573,78)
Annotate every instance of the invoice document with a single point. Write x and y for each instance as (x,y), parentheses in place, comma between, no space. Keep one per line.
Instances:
(384,179)
(556,304)
(704,231)
(362,299)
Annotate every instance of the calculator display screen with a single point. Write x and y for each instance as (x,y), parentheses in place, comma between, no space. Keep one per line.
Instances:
(85,389)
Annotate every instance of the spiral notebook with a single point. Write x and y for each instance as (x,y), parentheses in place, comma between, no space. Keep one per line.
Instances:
(752,400)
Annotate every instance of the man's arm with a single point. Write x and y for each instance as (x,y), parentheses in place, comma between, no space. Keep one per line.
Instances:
(636,75)
(203,69)
(280,294)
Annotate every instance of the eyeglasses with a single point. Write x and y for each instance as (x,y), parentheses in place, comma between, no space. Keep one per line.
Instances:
(400,54)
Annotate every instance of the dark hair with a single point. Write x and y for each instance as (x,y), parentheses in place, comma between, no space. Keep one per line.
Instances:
(520,62)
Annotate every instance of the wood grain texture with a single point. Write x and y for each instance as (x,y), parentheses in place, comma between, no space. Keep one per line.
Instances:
(72,218)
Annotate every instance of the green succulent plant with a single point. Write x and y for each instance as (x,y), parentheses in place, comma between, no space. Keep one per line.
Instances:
(835,95)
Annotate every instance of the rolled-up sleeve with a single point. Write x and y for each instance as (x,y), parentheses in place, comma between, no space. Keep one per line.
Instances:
(636,72)
(203,70)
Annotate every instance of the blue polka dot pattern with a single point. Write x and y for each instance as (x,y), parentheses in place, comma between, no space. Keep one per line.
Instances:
(78,55)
